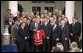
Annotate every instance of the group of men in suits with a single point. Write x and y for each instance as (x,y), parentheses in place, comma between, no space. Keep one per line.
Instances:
(56,28)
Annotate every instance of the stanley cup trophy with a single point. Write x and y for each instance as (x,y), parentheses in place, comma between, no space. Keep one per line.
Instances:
(6,36)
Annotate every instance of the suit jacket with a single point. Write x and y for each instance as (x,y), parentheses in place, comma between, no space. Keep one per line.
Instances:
(54,32)
(64,32)
(32,26)
(27,30)
(69,27)
(47,29)
(76,28)
(21,34)
(14,30)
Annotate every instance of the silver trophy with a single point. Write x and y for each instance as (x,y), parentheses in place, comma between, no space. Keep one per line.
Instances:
(6,36)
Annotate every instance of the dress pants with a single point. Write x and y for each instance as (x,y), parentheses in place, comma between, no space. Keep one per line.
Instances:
(24,46)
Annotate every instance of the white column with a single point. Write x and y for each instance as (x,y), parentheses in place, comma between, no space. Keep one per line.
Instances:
(69,10)
(13,5)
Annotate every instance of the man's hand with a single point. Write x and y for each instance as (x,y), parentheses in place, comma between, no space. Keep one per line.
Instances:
(65,38)
(47,37)
(71,34)
(25,37)
(34,30)
(57,39)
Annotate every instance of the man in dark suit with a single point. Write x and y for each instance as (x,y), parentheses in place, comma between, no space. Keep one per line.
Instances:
(23,36)
(47,29)
(35,25)
(69,27)
(54,32)
(27,30)
(76,29)
(56,12)
(64,35)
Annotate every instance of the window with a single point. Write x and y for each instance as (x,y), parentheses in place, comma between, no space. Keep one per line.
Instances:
(39,9)
(49,9)
(36,8)
(33,9)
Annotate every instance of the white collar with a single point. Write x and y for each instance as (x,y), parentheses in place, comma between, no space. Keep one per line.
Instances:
(62,26)
(22,27)
(10,22)
(54,26)
(46,23)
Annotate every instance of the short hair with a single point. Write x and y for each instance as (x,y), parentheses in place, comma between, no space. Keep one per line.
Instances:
(59,43)
(61,20)
(22,23)
(25,17)
(55,16)
(75,18)
(56,49)
(52,17)
(8,9)
(65,17)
